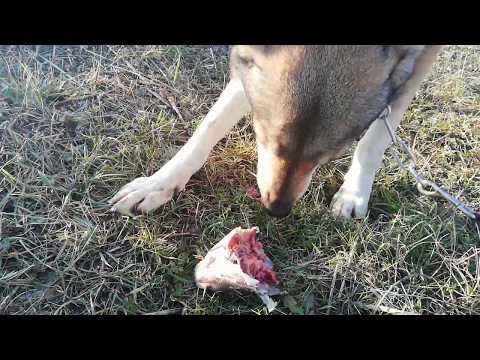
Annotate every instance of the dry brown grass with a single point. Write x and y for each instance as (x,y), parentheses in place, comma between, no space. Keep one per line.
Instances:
(76,123)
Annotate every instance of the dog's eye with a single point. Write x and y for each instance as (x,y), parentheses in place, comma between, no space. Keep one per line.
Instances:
(385,50)
(247,61)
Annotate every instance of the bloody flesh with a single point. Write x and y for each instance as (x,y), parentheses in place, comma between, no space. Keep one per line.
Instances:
(251,257)
(253,193)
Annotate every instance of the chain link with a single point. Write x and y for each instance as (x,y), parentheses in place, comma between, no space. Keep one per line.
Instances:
(421,181)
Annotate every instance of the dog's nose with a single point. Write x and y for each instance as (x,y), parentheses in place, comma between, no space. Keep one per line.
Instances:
(279,208)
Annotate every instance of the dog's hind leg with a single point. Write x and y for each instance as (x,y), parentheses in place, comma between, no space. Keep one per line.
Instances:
(352,198)
(148,193)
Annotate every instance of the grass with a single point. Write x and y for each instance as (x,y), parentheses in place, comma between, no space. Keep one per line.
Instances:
(76,123)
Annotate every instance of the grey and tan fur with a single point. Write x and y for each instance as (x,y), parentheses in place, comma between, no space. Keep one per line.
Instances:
(309,104)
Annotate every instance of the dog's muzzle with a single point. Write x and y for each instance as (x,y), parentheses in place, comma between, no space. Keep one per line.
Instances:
(278,208)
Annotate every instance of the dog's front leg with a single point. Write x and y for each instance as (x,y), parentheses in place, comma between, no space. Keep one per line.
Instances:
(352,198)
(148,193)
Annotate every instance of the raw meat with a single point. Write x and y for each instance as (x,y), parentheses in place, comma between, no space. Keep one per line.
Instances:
(253,193)
(239,262)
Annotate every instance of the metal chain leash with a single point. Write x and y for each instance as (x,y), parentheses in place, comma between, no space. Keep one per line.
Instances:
(421,181)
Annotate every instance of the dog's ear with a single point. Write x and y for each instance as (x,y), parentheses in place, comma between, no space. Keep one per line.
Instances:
(406,57)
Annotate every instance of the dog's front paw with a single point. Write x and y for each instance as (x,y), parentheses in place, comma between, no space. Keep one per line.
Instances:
(144,194)
(349,204)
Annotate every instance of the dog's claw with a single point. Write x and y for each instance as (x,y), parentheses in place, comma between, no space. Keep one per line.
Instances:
(143,195)
(346,204)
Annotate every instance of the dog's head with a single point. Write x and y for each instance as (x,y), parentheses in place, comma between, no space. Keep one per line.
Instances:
(309,103)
